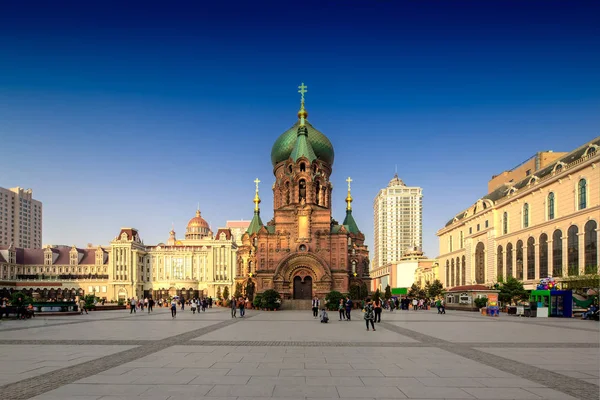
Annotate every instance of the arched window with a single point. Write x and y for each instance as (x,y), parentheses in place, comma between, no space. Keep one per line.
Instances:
(302,190)
(551,206)
(557,253)
(505,223)
(526,215)
(317,192)
(530,258)
(573,250)
(582,193)
(509,260)
(543,255)
(499,264)
(520,260)
(448,273)
(457,271)
(452,282)
(302,167)
(480,263)
(463,272)
(591,247)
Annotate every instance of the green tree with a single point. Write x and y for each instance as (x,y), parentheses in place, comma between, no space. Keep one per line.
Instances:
(20,299)
(332,300)
(364,291)
(250,290)
(226,293)
(377,295)
(480,302)
(354,292)
(413,291)
(512,291)
(238,290)
(435,290)
(219,293)
(388,292)
(270,299)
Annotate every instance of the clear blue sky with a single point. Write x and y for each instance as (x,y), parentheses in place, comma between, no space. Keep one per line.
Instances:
(129,114)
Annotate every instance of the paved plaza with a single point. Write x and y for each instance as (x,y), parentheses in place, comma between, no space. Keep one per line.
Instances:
(289,355)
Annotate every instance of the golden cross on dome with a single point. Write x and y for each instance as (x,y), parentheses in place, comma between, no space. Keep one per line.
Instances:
(256,198)
(303,89)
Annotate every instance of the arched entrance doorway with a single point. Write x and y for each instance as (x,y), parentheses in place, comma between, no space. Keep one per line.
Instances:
(302,288)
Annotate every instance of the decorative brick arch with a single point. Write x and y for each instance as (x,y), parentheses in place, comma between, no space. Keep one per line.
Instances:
(303,265)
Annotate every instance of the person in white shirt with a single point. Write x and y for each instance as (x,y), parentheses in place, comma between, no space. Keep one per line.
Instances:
(315,306)
(133,305)
(173,308)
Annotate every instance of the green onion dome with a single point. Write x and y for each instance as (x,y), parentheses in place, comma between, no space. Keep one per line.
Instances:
(284,145)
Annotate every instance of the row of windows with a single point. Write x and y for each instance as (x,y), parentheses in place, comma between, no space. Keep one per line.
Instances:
(581,204)
(590,254)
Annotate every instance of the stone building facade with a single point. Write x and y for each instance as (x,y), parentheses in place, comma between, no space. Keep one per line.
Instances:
(200,265)
(545,224)
(303,251)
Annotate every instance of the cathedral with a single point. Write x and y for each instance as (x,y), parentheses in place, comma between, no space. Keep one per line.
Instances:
(302,252)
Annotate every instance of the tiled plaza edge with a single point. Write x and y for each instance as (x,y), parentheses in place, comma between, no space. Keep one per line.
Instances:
(347,363)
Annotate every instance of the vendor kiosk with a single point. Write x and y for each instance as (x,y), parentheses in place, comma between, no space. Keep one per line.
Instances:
(553,303)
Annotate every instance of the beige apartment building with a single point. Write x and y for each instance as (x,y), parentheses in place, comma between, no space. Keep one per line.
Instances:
(20,218)
(531,225)
(398,221)
(200,265)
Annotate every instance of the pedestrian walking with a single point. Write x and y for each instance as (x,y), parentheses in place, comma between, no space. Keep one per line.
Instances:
(193,306)
(233,306)
(414,304)
(150,305)
(241,304)
(348,308)
(132,305)
(342,309)
(369,314)
(82,306)
(204,305)
(315,306)
(182,301)
(173,308)
(377,308)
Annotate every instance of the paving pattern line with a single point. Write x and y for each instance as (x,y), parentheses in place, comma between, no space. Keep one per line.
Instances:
(561,383)
(523,320)
(124,318)
(32,387)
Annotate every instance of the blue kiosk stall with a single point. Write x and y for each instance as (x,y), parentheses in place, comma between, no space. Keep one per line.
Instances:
(558,302)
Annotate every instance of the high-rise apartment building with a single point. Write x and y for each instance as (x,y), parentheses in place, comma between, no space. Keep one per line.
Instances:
(398,220)
(20,218)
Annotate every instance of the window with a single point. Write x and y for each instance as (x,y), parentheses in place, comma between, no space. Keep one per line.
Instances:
(557,253)
(450,244)
(463,272)
(505,223)
(543,261)
(573,250)
(499,264)
(582,193)
(528,172)
(447,273)
(452,276)
(590,247)
(519,260)
(462,243)
(470,230)
(526,215)
(477,227)
(486,224)
(530,258)
(551,206)
(480,263)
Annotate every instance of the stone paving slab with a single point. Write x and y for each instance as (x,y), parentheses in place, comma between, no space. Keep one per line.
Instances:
(309,329)
(18,362)
(288,355)
(489,332)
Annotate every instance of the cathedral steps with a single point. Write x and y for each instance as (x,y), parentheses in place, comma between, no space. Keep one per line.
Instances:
(296,305)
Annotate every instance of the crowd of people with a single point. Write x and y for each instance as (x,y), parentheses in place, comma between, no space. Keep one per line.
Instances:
(372,309)
(148,303)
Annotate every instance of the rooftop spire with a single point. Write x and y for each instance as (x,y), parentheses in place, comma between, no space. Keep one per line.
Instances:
(302,114)
(349,197)
(256,198)
(256,222)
